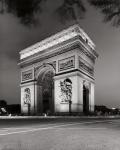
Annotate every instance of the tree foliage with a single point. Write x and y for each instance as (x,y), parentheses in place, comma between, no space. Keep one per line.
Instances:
(3,103)
(110,9)
(71,10)
(26,10)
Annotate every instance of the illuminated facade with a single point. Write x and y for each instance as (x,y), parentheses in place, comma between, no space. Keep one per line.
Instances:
(57,74)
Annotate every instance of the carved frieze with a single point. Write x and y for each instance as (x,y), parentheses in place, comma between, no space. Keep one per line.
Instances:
(27,75)
(86,67)
(88,54)
(66,63)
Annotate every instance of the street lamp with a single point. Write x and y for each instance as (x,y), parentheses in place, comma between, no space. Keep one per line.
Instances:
(28,109)
(70,102)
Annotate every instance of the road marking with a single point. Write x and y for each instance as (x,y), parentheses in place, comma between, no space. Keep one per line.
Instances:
(3,130)
(47,128)
(85,128)
(34,126)
(37,126)
(14,128)
(113,122)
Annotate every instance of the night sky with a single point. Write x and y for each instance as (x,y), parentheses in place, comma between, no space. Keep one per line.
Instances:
(14,37)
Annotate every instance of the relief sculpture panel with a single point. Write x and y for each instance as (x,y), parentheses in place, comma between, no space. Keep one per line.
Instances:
(66,90)
(27,96)
(27,75)
(66,63)
(86,67)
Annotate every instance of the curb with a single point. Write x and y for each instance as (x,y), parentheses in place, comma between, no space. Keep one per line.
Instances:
(59,117)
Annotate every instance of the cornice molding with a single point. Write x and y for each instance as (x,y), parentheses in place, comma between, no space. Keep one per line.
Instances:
(60,37)
(65,47)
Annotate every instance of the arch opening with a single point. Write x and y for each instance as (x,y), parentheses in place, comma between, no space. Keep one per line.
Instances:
(85,99)
(45,91)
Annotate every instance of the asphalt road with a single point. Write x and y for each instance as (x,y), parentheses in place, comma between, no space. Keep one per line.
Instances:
(60,134)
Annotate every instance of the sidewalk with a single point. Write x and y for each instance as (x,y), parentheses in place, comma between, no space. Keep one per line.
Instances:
(59,117)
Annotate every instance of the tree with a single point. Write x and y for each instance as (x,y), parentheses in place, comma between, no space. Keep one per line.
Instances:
(3,103)
(110,9)
(23,9)
(71,10)
(27,10)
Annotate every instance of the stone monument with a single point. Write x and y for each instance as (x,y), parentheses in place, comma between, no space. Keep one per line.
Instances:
(57,74)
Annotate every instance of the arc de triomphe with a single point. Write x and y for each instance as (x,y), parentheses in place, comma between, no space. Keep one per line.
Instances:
(57,74)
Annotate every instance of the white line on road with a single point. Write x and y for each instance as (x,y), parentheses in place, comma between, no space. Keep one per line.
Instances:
(14,128)
(46,128)
(86,128)
(1,130)
(24,128)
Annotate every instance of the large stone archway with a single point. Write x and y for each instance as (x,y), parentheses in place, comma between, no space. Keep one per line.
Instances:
(45,90)
(55,73)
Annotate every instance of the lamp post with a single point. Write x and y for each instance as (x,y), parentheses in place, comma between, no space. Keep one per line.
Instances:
(28,109)
(70,102)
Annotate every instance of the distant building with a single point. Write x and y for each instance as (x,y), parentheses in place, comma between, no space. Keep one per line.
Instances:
(57,74)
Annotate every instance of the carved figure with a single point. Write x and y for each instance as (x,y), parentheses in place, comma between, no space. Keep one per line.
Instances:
(66,90)
(27,96)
